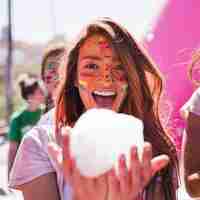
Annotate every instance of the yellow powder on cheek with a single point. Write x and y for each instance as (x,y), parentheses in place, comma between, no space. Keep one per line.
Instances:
(83,83)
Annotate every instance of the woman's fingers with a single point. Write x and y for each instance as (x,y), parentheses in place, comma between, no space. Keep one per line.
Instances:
(146,163)
(131,182)
(193,177)
(124,177)
(101,181)
(113,185)
(158,163)
(136,173)
(135,167)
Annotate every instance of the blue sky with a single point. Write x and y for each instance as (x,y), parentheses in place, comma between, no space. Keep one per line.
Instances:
(38,20)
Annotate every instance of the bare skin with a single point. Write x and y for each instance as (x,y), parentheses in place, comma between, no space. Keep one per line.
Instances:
(191,155)
(38,189)
(13,146)
(126,186)
(100,70)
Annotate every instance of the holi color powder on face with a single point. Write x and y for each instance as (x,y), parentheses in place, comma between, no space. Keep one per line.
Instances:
(100,72)
(103,44)
(50,66)
(124,87)
(82,83)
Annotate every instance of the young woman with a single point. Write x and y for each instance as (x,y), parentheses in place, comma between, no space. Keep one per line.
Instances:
(50,71)
(23,120)
(191,113)
(105,68)
(51,65)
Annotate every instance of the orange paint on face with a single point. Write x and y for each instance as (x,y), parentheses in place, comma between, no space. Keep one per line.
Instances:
(100,67)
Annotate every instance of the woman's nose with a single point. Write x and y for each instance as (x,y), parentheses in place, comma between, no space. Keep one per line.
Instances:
(107,75)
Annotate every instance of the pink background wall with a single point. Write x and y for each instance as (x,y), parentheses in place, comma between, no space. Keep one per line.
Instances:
(176,35)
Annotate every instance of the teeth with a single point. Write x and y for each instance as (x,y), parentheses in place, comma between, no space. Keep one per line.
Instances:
(104,93)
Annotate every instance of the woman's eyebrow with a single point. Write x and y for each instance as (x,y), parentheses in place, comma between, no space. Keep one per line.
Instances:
(90,58)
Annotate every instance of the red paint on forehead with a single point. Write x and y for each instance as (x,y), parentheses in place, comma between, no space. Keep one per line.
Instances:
(105,47)
(104,44)
(97,44)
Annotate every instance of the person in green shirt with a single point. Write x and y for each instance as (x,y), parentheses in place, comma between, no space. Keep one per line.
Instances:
(22,121)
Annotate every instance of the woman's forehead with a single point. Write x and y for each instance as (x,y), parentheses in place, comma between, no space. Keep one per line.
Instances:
(97,45)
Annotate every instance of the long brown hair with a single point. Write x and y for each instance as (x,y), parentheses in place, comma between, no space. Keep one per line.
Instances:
(145,86)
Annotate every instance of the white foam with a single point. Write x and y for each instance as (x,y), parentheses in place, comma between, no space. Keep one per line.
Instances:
(100,136)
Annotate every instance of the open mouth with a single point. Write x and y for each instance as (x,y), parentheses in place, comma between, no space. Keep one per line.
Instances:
(104,99)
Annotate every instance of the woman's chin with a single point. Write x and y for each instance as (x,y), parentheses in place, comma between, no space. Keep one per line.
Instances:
(105,106)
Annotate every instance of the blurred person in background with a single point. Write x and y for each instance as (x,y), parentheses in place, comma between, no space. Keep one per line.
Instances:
(51,66)
(23,120)
(50,71)
(190,111)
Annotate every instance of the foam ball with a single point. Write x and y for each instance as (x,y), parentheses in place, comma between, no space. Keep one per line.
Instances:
(100,136)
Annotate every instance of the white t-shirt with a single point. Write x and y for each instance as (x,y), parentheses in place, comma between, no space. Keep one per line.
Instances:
(193,104)
(33,160)
(48,118)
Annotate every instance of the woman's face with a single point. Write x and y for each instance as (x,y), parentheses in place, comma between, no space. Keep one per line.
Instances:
(51,76)
(101,78)
(37,98)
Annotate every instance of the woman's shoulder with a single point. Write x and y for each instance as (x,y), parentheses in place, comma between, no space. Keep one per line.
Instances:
(193,104)
(47,118)
(196,92)
(18,114)
(40,135)
(32,156)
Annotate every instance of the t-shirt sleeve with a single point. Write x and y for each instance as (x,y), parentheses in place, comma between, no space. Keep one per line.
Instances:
(14,130)
(31,160)
(193,104)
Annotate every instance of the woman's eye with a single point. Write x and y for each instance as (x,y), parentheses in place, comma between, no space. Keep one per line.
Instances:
(92,66)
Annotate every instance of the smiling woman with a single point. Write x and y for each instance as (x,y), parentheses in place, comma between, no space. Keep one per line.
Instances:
(105,68)
(102,81)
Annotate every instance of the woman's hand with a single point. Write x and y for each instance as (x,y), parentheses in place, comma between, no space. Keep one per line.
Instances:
(83,187)
(130,183)
(192,184)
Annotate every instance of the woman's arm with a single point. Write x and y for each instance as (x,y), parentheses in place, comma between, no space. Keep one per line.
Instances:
(43,187)
(13,146)
(32,171)
(191,152)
